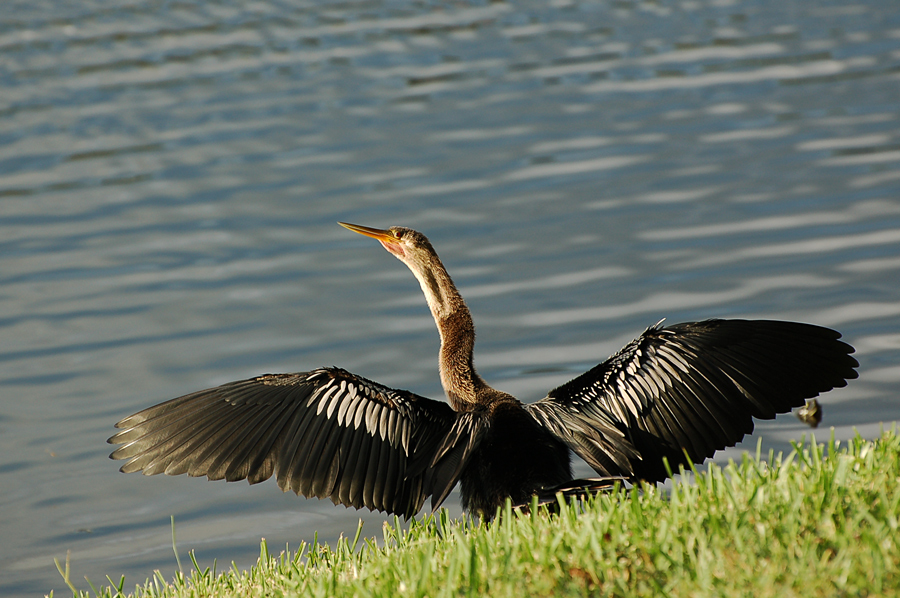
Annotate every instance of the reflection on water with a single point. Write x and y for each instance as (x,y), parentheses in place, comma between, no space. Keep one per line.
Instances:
(170,175)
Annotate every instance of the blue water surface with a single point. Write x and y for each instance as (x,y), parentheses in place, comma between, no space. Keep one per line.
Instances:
(171,174)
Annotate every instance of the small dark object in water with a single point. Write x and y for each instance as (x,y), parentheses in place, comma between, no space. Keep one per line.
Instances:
(676,393)
(811,413)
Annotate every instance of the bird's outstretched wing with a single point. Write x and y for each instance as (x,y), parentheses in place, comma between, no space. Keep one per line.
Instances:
(693,388)
(324,433)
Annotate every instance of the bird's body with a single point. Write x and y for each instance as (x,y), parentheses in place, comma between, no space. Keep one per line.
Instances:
(677,393)
(515,458)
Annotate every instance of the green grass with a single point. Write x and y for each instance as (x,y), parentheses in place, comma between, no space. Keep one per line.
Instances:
(821,521)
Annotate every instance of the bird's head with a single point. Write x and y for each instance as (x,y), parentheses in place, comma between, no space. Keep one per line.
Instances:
(414,249)
(407,245)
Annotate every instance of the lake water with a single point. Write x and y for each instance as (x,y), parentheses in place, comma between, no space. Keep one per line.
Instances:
(171,174)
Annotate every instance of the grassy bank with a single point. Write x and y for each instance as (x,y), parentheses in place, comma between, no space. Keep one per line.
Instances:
(821,521)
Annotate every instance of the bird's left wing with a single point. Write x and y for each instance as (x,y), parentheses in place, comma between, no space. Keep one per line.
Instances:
(324,433)
(691,388)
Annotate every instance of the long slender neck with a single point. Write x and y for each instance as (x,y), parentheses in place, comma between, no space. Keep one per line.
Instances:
(454,322)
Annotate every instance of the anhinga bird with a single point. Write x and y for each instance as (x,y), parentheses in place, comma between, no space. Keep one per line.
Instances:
(678,392)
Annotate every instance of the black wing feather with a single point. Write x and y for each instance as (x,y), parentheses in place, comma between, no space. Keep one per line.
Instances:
(691,387)
(325,433)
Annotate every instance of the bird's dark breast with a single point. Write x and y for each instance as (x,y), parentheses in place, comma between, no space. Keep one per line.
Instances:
(516,458)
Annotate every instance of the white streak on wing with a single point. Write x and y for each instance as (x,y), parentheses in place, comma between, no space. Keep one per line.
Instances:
(360,412)
(650,388)
(404,435)
(630,398)
(661,374)
(383,424)
(317,393)
(621,389)
(639,385)
(353,407)
(370,417)
(345,405)
(675,359)
(631,367)
(367,415)
(392,427)
(338,398)
(670,370)
(323,399)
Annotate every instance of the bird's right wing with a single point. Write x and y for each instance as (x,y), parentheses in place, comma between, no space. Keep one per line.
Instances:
(325,433)
(691,388)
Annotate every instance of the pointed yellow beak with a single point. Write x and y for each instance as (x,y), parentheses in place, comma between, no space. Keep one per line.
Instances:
(382,235)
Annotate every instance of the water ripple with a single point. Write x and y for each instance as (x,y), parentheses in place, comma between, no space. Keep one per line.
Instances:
(855,212)
(170,175)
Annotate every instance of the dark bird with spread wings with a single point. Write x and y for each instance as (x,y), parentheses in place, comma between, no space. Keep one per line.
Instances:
(677,392)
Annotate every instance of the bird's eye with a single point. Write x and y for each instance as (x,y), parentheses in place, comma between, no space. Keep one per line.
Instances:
(398,234)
